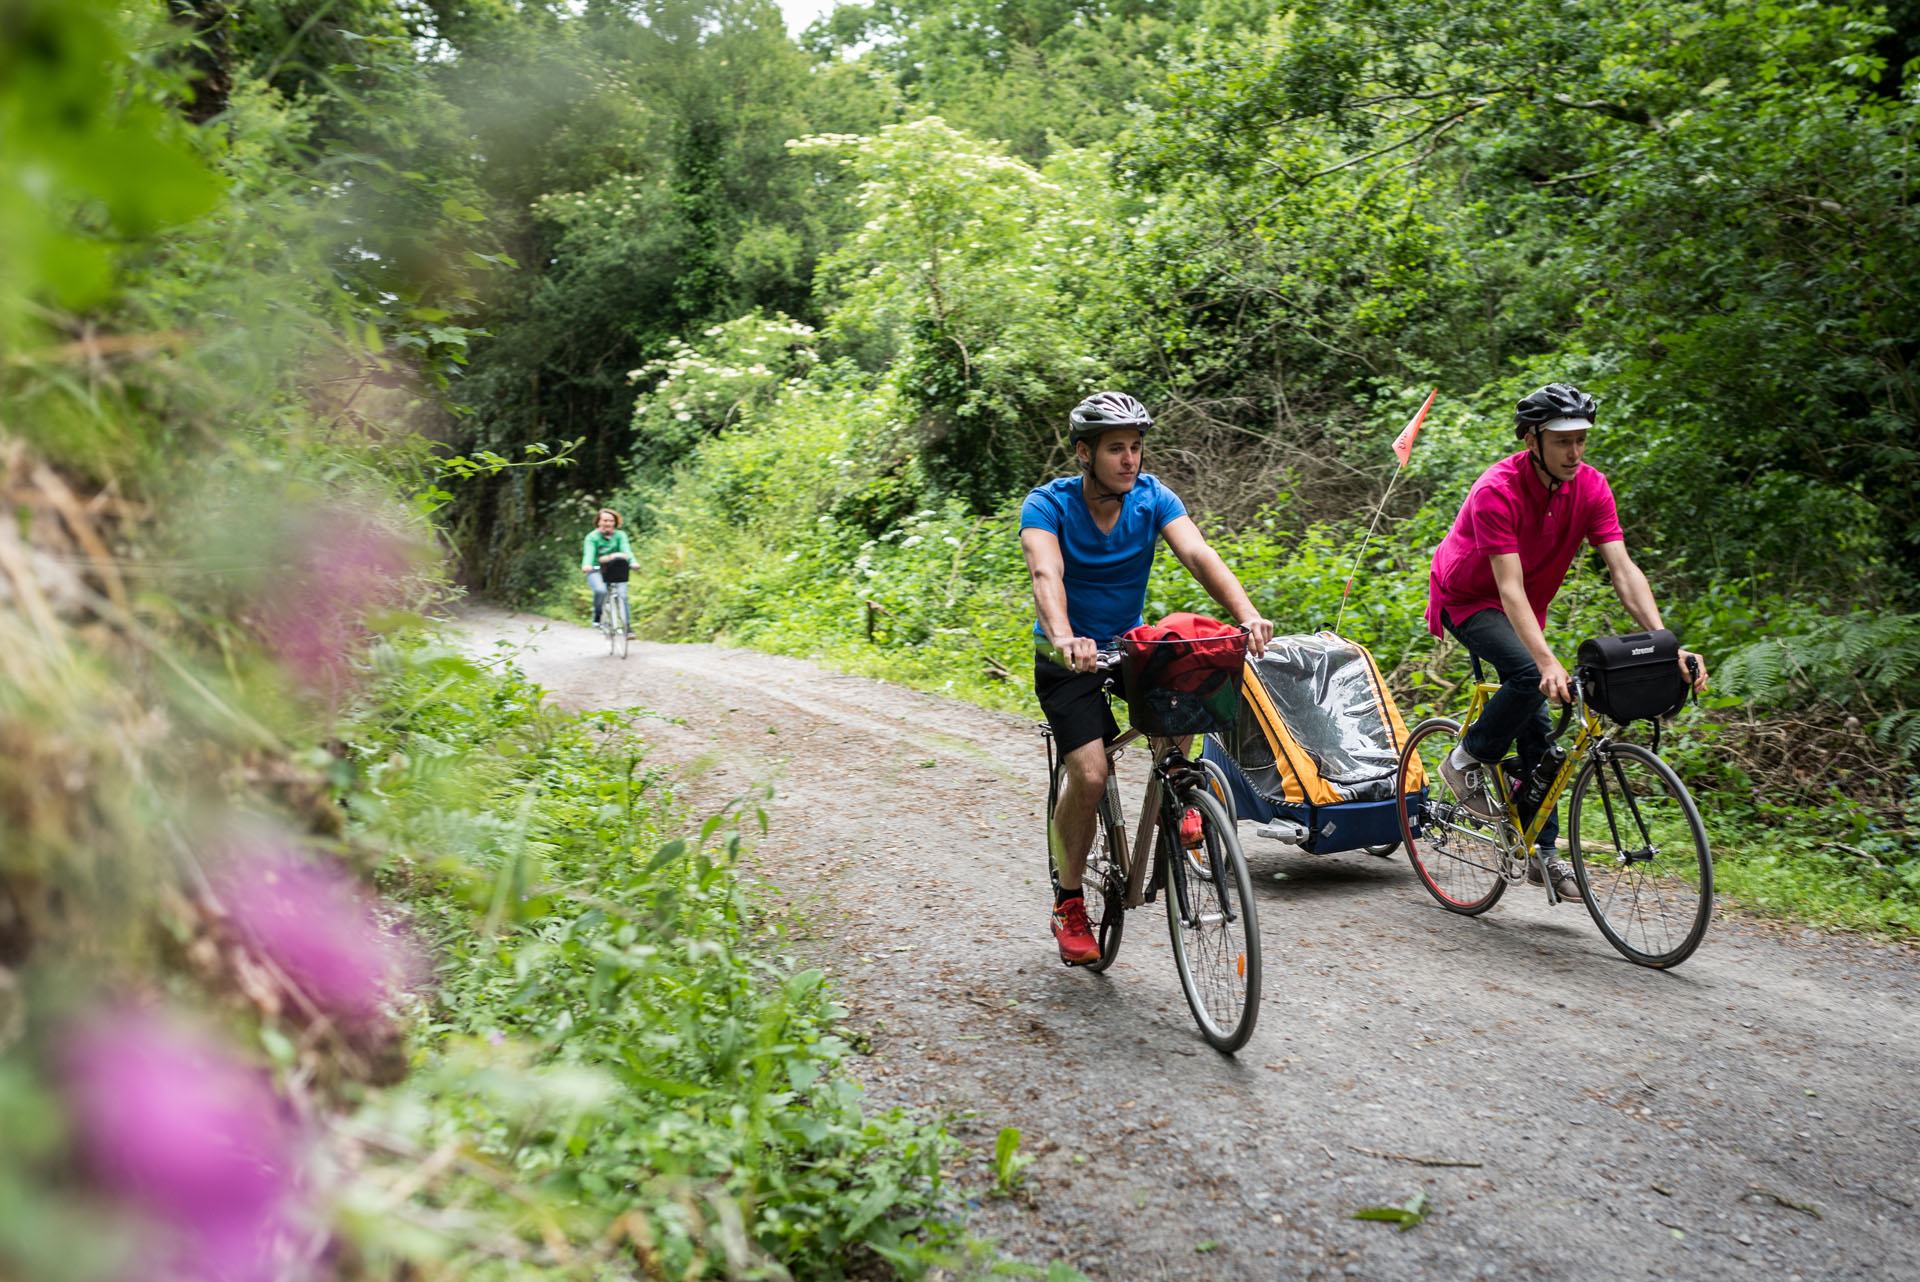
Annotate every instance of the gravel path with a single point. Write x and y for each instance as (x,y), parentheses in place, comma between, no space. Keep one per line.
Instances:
(1751,1114)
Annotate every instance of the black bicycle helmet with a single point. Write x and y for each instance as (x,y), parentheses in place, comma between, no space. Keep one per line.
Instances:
(1544,405)
(1105,411)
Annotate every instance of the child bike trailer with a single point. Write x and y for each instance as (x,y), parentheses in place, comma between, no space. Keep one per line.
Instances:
(1313,754)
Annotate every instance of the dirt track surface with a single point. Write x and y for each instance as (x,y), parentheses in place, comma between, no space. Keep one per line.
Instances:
(1753,1113)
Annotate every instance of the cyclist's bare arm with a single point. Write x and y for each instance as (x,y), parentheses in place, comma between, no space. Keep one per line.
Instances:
(1205,565)
(1511,581)
(1635,594)
(1047,568)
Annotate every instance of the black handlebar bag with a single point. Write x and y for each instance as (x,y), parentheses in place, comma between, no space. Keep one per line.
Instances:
(614,571)
(1632,677)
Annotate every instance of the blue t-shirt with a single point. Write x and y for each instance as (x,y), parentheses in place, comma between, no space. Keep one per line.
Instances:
(1106,574)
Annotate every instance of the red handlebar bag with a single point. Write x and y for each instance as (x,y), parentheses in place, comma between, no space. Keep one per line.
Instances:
(1183,674)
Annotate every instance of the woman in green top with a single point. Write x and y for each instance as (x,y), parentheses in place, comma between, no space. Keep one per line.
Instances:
(604,541)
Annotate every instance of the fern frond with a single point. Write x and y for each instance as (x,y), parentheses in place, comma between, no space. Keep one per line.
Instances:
(1856,638)
(1896,651)
(1901,732)
(1757,672)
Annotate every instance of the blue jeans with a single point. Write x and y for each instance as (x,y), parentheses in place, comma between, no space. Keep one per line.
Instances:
(599,586)
(1517,711)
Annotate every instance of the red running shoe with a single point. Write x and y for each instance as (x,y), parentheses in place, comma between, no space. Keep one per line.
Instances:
(1070,930)
(1190,828)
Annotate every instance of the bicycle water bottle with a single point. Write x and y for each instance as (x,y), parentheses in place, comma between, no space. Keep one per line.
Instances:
(1543,776)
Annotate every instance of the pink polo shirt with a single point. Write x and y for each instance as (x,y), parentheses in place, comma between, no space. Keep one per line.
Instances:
(1507,510)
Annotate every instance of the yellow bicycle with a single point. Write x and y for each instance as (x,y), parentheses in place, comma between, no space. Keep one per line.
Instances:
(1634,835)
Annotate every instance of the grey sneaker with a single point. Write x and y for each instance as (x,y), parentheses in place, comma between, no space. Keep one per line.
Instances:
(1469,787)
(1564,884)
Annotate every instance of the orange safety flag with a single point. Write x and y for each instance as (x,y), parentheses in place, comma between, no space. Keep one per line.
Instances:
(1403,443)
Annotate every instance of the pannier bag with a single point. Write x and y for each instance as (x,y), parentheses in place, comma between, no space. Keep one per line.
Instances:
(1182,675)
(1318,743)
(1633,677)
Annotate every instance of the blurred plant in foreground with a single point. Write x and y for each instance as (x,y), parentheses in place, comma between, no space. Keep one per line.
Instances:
(316,924)
(195,1142)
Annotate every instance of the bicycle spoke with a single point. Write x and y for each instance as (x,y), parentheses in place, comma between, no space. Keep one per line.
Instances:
(1641,857)
(1214,926)
(1456,853)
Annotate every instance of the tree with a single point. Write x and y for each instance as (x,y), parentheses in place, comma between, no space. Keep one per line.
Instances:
(1702,205)
(966,275)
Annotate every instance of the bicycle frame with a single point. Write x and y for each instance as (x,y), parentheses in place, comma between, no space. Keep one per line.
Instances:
(1139,855)
(616,598)
(1590,735)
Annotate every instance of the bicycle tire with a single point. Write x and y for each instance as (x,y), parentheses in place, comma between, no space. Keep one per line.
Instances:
(1103,883)
(1455,854)
(1216,949)
(606,622)
(1222,789)
(622,627)
(1652,906)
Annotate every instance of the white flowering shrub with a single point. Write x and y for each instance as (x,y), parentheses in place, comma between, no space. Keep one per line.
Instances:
(699,390)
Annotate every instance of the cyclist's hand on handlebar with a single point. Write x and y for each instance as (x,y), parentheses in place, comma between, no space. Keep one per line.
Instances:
(1259,632)
(1077,653)
(1554,683)
(1695,669)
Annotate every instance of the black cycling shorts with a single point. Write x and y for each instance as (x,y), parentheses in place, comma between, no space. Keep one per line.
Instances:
(1075,705)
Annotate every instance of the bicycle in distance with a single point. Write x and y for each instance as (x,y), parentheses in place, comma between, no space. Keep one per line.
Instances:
(1186,848)
(616,618)
(1638,849)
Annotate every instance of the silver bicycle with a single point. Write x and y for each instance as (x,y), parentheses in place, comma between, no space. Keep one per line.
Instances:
(616,619)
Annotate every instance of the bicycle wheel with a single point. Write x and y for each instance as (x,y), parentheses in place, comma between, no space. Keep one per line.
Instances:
(1640,855)
(1455,852)
(1221,789)
(622,626)
(1104,882)
(607,612)
(1214,926)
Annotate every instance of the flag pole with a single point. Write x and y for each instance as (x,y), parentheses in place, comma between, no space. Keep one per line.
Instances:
(1403,448)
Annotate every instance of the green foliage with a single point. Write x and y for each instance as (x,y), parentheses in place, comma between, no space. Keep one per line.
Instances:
(873,570)
(966,273)
(1862,665)
(92,159)
(1678,226)
(1413,1211)
(699,392)
(1034,73)
(1009,1164)
(614,1031)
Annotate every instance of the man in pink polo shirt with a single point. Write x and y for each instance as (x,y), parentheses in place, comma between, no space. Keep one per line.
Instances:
(1497,571)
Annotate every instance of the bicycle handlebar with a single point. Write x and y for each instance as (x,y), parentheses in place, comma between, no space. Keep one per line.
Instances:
(1574,696)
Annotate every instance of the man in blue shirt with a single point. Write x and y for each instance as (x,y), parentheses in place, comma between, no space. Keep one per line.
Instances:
(1089,541)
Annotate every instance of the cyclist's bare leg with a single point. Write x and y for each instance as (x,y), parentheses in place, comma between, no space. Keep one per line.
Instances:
(1081,788)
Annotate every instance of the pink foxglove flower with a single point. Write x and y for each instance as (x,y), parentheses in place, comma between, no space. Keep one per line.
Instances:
(341,566)
(316,924)
(190,1137)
